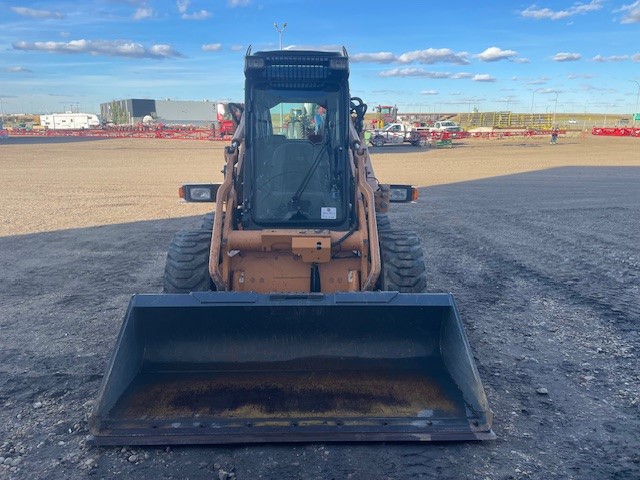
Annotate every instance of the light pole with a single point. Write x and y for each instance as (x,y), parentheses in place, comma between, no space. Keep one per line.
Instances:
(280,30)
(584,118)
(637,98)
(555,108)
(533,94)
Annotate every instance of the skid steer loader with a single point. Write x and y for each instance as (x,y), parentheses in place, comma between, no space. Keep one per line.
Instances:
(296,312)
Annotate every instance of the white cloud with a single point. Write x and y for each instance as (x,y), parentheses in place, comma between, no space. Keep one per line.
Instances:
(484,77)
(30,12)
(419,72)
(457,76)
(632,13)
(578,8)
(201,15)
(636,57)
(212,47)
(143,12)
(110,48)
(183,5)
(575,76)
(317,46)
(429,92)
(162,51)
(236,48)
(380,57)
(566,57)
(434,55)
(238,3)
(428,56)
(408,72)
(521,60)
(591,88)
(611,58)
(18,70)
(538,81)
(495,54)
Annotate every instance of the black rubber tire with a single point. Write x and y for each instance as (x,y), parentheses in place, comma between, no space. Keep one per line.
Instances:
(207,221)
(377,142)
(383,222)
(187,266)
(403,267)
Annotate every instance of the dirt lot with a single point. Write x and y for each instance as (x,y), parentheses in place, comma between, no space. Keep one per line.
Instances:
(538,243)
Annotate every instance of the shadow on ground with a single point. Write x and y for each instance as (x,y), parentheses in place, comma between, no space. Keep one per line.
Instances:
(544,268)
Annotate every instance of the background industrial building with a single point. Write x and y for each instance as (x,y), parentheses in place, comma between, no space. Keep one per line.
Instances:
(133,111)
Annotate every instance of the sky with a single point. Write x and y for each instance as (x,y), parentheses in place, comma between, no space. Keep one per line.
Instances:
(425,57)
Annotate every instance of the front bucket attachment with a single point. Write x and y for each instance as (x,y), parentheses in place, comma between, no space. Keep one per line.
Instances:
(222,367)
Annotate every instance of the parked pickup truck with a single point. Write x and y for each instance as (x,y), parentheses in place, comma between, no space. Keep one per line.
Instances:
(447,126)
(398,133)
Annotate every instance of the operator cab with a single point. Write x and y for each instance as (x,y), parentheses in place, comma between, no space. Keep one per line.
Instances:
(296,171)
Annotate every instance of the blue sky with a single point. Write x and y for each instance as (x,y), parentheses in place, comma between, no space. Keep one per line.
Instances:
(421,56)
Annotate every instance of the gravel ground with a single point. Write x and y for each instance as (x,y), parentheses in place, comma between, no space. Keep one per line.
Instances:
(539,246)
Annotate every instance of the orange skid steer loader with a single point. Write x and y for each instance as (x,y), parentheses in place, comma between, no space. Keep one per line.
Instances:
(296,312)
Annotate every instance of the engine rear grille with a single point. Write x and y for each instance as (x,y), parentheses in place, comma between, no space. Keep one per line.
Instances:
(296,85)
(297,72)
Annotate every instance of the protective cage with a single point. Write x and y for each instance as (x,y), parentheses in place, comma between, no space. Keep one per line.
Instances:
(229,367)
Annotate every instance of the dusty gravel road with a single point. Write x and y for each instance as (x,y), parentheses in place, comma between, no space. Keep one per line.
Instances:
(538,243)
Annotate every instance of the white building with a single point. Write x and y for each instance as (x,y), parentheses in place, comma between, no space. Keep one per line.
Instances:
(132,111)
(69,121)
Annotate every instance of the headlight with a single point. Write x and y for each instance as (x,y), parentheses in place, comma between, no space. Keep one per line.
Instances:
(254,62)
(402,193)
(199,192)
(339,63)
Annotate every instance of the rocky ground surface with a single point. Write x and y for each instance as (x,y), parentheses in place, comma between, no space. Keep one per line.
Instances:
(539,249)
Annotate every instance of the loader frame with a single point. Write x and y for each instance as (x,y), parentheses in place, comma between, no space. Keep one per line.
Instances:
(303,318)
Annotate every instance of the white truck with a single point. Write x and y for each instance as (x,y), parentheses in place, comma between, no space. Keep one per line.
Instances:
(398,133)
(447,126)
